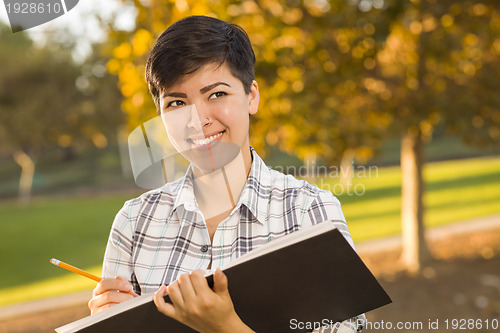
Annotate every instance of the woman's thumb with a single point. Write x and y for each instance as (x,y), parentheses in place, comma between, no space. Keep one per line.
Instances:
(220,282)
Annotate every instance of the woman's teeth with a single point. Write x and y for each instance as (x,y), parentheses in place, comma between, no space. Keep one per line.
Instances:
(207,140)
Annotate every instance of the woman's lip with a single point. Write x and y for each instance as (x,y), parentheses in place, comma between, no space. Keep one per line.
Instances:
(205,136)
(213,133)
(207,145)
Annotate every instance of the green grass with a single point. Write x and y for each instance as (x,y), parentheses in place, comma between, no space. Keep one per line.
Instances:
(75,230)
(455,191)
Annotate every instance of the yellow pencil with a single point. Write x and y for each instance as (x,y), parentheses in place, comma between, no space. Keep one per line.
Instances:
(74,269)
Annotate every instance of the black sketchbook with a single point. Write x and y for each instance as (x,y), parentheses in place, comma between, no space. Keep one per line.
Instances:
(311,275)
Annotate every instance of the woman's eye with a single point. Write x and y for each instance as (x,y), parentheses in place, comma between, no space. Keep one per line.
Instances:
(175,103)
(217,95)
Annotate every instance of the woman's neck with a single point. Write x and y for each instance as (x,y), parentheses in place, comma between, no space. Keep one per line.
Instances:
(219,191)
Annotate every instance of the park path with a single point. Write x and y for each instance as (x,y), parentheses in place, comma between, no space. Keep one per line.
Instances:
(463,227)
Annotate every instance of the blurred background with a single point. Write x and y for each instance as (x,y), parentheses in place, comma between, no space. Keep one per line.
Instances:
(392,105)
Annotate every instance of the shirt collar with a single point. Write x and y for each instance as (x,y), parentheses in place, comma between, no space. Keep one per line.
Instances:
(185,196)
(254,195)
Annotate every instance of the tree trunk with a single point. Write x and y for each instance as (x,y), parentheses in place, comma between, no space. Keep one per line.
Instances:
(27,171)
(415,252)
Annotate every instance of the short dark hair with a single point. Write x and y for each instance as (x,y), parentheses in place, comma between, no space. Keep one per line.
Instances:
(193,42)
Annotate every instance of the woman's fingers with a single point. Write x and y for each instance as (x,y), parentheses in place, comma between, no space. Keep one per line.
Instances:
(117,284)
(175,294)
(199,283)
(186,287)
(109,292)
(164,307)
(111,297)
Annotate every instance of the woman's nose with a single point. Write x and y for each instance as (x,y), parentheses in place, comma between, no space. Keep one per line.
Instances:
(194,119)
(198,118)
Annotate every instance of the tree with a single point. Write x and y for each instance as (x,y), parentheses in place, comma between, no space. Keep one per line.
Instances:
(47,101)
(441,64)
(37,95)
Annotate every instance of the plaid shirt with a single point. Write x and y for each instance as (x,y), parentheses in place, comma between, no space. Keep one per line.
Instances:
(162,234)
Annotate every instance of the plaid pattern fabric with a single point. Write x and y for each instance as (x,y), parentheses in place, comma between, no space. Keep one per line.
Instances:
(162,234)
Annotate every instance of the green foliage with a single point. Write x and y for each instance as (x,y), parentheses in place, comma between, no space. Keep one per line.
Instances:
(440,63)
(48,101)
(37,96)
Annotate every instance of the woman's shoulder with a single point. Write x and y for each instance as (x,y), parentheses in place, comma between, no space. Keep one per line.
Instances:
(165,194)
(287,182)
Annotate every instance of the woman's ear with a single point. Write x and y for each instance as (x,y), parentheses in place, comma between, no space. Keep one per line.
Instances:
(253,98)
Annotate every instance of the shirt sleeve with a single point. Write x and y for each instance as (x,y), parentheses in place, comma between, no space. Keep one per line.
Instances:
(326,207)
(119,249)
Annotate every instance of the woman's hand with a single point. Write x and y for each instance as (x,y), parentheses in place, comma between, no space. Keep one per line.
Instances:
(196,305)
(109,292)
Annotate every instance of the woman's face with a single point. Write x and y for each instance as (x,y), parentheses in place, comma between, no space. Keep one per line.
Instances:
(206,116)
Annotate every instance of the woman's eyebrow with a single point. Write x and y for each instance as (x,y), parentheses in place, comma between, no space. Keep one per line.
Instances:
(212,86)
(202,90)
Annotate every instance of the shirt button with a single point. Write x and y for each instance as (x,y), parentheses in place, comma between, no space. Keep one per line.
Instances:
(204,248)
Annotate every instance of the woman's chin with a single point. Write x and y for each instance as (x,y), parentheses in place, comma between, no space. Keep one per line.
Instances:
(214,157)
